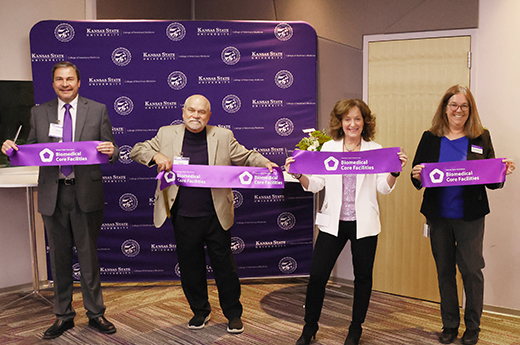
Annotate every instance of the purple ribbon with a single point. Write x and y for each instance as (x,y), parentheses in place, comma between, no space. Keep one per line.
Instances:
(334,163)
(71,153)
(221,176)
(462,173)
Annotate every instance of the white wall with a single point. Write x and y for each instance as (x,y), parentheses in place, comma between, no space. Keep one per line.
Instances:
(17,17)
(497,88)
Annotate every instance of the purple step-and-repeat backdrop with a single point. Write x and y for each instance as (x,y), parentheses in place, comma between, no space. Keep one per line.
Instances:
(261,80)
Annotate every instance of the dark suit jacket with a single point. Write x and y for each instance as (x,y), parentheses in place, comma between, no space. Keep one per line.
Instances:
(92,123)
(476,203)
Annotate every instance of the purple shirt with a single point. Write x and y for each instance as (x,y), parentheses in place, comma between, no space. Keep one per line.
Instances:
(348,204)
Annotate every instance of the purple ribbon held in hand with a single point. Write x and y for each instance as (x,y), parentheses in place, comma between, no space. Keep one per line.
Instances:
(339,163)
(463,173)
(71,153)
(221,176)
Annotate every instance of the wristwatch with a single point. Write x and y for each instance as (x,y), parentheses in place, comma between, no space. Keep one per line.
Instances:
(395,174)
(297,176)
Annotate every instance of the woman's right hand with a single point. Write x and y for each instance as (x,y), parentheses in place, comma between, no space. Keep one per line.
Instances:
(288,162)
(416,171)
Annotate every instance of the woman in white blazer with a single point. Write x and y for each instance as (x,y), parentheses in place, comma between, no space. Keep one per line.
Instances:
(350,212)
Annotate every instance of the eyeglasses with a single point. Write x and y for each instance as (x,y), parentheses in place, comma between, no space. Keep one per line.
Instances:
(455,106)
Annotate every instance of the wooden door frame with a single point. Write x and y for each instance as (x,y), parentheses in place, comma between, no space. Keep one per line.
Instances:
(367,39)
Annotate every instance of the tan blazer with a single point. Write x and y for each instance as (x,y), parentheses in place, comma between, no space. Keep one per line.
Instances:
(223,149)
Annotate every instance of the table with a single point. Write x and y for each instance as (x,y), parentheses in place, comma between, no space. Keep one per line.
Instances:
(27,178)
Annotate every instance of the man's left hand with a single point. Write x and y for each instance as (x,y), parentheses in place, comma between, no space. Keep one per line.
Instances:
(107,148)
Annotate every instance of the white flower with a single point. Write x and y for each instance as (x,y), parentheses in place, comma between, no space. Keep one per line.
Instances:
(313,147)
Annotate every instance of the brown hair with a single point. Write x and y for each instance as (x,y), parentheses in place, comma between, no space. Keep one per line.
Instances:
(65,64)
(473,126)
(341,108)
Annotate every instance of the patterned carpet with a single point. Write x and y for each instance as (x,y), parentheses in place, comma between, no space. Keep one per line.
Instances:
(158,313)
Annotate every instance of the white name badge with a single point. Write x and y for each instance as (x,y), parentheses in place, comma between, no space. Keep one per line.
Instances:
(181,160)
(322,219)
(426,230)
(477,149)
(56,130)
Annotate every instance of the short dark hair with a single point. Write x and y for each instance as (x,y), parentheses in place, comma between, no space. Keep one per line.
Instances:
(341,108)
(65,64)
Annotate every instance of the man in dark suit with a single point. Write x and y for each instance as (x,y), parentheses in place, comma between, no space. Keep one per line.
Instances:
(71,203)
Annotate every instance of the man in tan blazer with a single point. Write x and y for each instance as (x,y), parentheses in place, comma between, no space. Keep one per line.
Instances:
(200,216)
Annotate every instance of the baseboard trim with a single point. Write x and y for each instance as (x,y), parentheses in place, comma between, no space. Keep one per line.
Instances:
(487,308)
(501,310)
(16,288)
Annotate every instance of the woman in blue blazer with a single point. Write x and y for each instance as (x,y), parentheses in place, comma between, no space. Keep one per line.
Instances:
(350,212)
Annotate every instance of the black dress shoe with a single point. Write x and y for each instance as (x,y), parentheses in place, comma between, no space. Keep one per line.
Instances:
(448,335)
(102,325)
(470,336)
(58,328)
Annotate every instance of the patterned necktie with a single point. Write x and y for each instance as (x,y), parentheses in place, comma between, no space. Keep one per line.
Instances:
(67,136)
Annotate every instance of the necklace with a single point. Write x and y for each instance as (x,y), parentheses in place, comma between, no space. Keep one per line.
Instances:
(345,148)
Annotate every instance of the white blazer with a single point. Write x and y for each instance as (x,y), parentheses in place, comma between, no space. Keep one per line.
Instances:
(367,208)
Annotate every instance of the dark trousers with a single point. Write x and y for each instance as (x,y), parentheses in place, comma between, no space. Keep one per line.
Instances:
(456,242)
(326,252)
(191,234)
(69,226)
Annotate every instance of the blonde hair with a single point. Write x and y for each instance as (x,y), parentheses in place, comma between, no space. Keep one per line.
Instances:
(341,108)
(472,128)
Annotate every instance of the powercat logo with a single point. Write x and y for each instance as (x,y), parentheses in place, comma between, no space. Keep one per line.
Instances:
(130,248)
(284,79)
(176,31)
(286,220)
(287,265)
(121,56)
(283,31)
(64,32)
(284,127)
(231,104)
(123,105)
(230,56)
(177,80)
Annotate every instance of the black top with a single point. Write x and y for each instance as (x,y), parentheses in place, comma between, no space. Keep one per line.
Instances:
(194,201)
(476,203)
